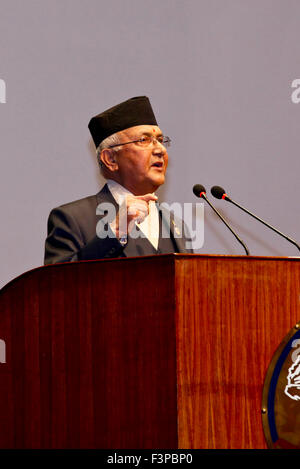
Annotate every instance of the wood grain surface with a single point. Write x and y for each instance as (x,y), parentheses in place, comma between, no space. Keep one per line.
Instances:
(232,314)
(158,352)
(91,357)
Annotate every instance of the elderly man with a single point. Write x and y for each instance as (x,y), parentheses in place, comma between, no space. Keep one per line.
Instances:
(123,219)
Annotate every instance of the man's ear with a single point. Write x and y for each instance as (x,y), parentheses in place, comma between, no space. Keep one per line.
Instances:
(107,156)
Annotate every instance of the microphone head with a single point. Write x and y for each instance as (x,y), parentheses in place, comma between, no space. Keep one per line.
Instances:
(217,192)
(198,189)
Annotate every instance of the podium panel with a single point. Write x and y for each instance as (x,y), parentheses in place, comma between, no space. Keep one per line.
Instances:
(158,352)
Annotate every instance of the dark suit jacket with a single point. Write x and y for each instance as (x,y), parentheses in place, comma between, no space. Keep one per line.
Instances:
(72,232)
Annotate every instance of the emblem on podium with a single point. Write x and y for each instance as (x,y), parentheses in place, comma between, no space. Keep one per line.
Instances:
(281,395)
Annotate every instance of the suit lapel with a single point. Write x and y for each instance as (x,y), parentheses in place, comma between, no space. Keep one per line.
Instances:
(105,196)
(174,227)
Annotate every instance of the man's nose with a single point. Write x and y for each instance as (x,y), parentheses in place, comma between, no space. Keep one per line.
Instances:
(158,148)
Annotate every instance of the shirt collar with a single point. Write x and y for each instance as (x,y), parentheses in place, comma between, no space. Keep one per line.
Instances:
(118,191)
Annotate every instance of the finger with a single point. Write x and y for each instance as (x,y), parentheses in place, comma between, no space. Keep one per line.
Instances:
(136,211)
(140,218)
(137,216)
(147,197)
(138,205)
(132,210)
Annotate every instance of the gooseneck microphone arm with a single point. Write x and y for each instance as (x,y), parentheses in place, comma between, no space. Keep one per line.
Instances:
(220,193)
(199,191)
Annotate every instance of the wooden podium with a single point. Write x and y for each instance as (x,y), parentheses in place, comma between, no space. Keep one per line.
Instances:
(159,352)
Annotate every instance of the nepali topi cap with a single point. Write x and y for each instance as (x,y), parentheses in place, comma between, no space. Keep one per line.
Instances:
(134,111)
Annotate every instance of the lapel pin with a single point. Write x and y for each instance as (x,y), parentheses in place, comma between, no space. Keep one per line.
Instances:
(177,231)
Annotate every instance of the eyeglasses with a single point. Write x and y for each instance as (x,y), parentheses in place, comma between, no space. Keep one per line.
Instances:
(146,141)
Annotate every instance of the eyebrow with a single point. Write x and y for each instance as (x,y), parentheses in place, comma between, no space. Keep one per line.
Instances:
(149,134)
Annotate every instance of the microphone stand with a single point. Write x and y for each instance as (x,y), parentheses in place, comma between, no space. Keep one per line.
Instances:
(225,197)
(203,195)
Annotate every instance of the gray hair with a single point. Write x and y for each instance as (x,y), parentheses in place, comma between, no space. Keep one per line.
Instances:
(113,139)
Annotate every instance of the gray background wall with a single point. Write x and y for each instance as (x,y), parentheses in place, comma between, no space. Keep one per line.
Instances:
(218,73)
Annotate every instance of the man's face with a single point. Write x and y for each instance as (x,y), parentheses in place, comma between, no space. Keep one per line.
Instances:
(141,170)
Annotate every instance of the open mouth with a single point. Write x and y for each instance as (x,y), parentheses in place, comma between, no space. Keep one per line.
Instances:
(158,164)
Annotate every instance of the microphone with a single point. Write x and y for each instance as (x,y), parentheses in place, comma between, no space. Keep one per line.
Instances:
(200,191)
(220,193)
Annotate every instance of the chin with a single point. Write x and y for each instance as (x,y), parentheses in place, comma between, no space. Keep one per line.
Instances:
(158,182)
(159,178)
